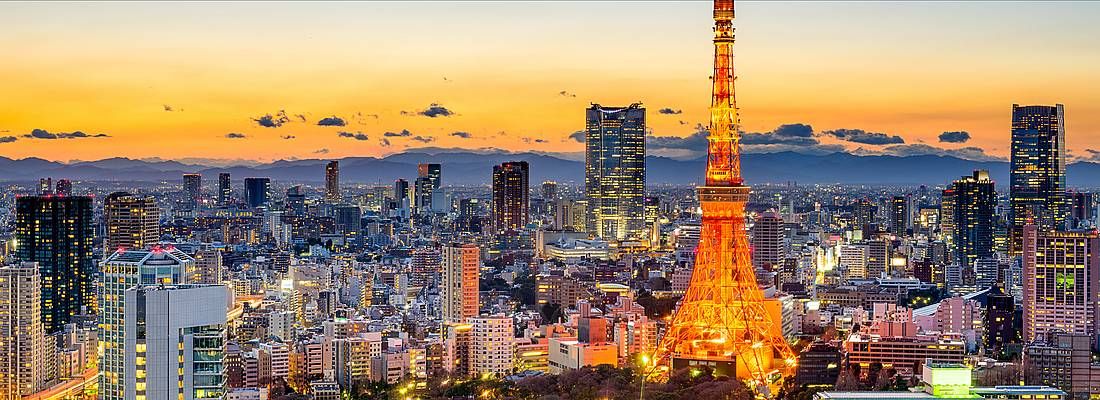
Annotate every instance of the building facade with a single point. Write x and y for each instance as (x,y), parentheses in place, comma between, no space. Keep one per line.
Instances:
(132,221)
(511,195)
(461,269)
(22,337)
(1061,277)
(614,171)
(975,200)
(56,232)
(1038,169)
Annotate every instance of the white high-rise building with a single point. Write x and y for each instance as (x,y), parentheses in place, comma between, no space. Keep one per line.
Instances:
(123,270)
(174,338)
(853,259)
(492,348)
(22,336)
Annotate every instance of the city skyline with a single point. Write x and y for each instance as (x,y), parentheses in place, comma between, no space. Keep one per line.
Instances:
(194,82)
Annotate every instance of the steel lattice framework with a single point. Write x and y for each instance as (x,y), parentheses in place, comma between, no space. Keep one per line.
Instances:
(722,318)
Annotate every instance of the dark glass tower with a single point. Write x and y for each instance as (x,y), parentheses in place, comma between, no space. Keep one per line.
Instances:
(899,215)
(192,189)
(1001,327)
(975,201)
(256,191)
(510,195)
(56,232)
(1038,181)
(332,181)
(225,191)
(614,171)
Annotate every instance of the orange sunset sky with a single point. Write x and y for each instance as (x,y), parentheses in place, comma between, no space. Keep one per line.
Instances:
(184,80)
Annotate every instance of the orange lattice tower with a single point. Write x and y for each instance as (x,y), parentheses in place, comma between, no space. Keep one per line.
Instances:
(722,320)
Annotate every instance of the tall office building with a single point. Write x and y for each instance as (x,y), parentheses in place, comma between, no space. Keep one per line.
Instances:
(1038,169)
(899,215)
(122,271)
(975,200)
(461,266)
(174,340)
(45,186)
(132,221)
(1061,280)
(257,191)
(768,249)
(225,189)
(296,200)
(64,187)
(332,181)
(192,189)
(1082,209)
(614,171)
(401,193)
(947,217)
(56,232)
(429,180)
(511,197)
(22,338)
(549,190)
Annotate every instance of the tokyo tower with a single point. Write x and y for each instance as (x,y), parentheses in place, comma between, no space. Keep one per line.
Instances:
(722,321)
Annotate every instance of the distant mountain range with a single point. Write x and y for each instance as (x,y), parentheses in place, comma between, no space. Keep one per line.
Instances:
(474,168)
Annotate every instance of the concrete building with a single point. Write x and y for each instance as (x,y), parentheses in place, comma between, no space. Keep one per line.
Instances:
(1061,282)
(569,353)
(461,274)
(768,241)
(905,354)
(22,336)
(492,348)
(132,221)
(1064,361)
(173,342)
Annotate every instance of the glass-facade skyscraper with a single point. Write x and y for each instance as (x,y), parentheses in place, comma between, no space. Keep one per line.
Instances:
(1038,181)
(614,171)
(511,195)
(257,191)
(56,232)
(975,200)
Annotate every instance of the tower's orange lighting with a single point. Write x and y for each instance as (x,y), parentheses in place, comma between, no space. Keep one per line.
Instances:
(722,318)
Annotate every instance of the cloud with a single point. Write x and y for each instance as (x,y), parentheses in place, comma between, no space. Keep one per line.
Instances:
(320,151)
(577,136)
(331,121)
(797,138)
(272,121)
(564,93)
(917,149)
(423,139)
(433,111)
(955,137)
(43,134)
(301,117)
(353,135)
(167,108)
(403,133)
(384,142)
(235,135)
(864,137)
(462,134)
(530,140)
(8,139)
(670,111)
(287,137)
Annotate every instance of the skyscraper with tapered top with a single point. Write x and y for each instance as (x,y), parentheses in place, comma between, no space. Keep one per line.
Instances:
(614,171)
(1038,169)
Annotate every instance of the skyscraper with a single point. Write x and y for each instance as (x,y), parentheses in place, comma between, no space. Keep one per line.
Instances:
(64,187)
(429,179)
(461,266)
(45,186)
(133,222)
(225,189)
(192,189)
(614,171)
(1038,169)
(1000,322)
(56,232)
(511,196)
(332,181)
(767,241)
(1061,280)
(296,200)
(22,338)
(974,202)
(549,190)
(174,338)
(899,215)
(257,191)
(122,271)
(401,193)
